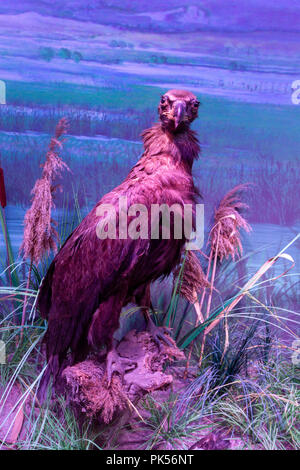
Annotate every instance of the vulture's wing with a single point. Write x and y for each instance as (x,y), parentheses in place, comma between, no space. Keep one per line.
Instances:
(86,271)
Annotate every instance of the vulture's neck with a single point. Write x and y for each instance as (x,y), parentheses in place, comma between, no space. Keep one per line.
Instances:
(182,147)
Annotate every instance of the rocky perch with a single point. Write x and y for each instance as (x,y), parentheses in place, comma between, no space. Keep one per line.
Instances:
(88,393)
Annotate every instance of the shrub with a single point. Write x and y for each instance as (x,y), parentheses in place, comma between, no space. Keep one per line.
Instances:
(76,56)
(47,53)
(64,53)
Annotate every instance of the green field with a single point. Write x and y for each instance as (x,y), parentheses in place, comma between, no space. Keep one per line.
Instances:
(258,128)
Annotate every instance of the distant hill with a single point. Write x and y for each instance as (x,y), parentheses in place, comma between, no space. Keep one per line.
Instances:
(171,15)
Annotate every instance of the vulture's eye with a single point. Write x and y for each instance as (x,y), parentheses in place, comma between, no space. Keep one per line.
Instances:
(196,104)
(163,99)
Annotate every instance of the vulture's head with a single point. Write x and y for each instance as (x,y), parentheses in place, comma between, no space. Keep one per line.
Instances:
(177,109)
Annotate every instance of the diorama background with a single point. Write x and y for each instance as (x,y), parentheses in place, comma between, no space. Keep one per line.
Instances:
(104,64)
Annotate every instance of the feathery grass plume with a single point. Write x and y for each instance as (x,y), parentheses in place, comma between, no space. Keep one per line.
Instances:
(225,241)
(193,278)
(225,238)
(40,235)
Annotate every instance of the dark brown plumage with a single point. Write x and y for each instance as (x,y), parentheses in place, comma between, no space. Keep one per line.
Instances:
(90,280)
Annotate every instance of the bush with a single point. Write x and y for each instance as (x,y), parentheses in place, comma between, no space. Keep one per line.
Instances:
(76,56)
(155,59)
(64,53)
(123,44)
(47,53)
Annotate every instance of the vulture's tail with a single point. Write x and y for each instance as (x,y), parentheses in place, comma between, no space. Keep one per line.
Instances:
(54,364)
(45,292)
(51,374)
(42,392)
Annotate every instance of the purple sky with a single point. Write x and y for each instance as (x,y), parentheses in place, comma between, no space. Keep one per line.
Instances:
(247,15)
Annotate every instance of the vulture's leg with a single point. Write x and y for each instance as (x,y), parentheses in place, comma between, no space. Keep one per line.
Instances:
(159,333)
(105,322)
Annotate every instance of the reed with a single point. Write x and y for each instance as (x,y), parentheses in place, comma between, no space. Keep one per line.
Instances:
(40,234)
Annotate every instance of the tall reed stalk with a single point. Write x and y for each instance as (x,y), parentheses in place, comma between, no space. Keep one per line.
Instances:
(3,222)
(225,242)
(40,235)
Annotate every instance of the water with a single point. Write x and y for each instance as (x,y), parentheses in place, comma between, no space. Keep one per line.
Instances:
(266,240)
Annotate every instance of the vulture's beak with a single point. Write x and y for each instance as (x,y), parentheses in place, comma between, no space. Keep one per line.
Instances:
(179,112)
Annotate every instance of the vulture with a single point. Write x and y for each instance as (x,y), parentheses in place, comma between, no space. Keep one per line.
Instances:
(92,278)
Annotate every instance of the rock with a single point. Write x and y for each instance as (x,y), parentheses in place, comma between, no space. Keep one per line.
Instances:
(88,393)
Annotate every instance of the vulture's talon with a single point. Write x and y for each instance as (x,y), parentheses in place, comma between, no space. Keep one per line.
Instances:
(117,364)
(160,334)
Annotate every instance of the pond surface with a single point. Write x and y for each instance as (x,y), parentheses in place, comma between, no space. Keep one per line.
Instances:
(265,240)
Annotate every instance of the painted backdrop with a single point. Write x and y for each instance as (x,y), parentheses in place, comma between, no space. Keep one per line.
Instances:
(104,64)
